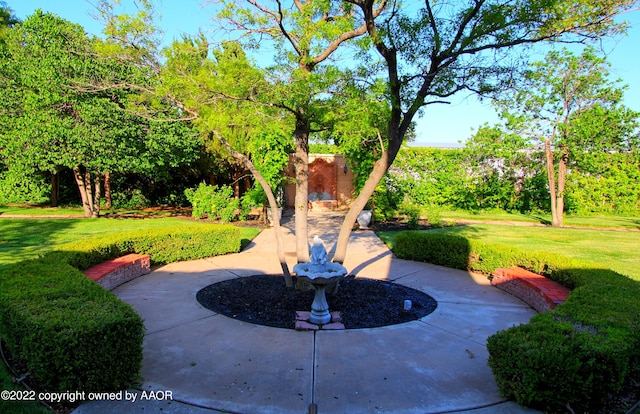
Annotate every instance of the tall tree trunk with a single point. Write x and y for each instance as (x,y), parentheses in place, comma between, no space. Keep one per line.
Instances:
(89,191)
(272,203)
(81,181)
(97,195)
(55,189)
(562,178)
(236,173)
(107,190)
(301,207)
(397,127)
(556,214)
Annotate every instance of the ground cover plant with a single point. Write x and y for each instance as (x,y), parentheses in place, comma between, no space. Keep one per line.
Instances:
(577,357)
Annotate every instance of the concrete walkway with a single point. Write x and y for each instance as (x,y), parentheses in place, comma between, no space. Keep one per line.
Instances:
(208,362)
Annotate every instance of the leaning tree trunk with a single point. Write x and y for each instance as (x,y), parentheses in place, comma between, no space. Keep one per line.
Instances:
(562,177)
(379,169)
(272,203)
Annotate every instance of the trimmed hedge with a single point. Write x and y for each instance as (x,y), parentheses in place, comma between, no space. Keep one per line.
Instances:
(162,245)
(71,333)
(577,355)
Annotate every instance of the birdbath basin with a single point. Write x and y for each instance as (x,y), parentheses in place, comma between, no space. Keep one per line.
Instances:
(319,274)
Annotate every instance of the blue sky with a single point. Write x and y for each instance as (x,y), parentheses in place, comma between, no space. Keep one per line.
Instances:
(440,125)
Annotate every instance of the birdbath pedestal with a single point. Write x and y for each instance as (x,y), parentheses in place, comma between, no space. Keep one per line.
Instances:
(319,274)
(320,308)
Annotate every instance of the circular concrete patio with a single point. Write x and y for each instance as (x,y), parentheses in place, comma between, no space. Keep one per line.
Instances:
(209,362)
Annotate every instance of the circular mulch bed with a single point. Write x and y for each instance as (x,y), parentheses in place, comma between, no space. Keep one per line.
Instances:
(363,303)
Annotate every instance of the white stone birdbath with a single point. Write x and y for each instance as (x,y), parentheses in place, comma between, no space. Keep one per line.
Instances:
(319,273)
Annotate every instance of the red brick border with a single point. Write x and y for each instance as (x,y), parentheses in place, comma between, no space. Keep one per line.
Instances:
(537,291)
(303,324)
(112,273)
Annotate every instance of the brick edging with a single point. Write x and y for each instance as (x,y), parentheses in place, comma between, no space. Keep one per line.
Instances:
(537,291)
(113,273)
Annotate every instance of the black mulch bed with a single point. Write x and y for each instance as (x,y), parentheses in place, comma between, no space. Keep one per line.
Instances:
(363,303)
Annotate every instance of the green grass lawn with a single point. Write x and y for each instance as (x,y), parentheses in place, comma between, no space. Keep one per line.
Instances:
(22,239)
(40,211)
(26,238)
(616,250)
(596,221)
(16,407)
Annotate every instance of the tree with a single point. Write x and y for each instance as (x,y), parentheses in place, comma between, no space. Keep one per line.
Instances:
(425,55)
(305,36)
(7,18)
(502,165)
(52,122)
(605,161)
(198,83)
(432,52)
(549,102)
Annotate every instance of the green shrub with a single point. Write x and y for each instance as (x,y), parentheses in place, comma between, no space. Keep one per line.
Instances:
(412,212)
(576,355)
(71,333)
(162,245)
(213,202)
(450,251)
(551,363)
(462,253)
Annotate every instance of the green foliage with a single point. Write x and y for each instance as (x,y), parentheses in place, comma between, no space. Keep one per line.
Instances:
(606,184)
(412,212)
(131,199)
(498,170)
(434,215)
(578,354)
(71,333)
(429,176)
(552,363)
(322,148)
(63,111)
(270,156)
(451,251)
(460,252)
(571,107)
(359,128)
(213,202)
(503,172)
(22,184)
(164,245)
(385,200)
